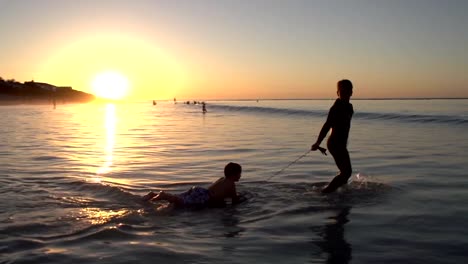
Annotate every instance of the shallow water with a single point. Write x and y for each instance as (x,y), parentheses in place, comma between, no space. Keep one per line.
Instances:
(71,179)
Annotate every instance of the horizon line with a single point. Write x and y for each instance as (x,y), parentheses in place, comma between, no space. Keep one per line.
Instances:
(310,99)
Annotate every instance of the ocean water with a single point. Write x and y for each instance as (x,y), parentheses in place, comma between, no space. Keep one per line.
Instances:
(71,181)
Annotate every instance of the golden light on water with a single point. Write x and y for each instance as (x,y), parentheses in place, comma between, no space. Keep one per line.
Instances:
(98,216)
(106,157)
(110,121)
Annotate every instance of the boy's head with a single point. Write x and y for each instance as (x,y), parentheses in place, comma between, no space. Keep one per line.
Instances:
(233,171)
(345,89)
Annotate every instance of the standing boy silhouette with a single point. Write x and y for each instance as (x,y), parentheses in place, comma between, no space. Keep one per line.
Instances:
(339,121)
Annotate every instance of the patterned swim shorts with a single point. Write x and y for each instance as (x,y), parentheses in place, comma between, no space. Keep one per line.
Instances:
(195,196)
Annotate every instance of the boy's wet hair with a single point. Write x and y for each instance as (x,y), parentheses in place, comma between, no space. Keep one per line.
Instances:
(345,85)
(232,169)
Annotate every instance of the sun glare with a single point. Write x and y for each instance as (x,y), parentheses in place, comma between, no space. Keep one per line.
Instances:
(110,85)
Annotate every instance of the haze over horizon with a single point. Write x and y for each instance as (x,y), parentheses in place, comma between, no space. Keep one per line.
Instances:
(240,49)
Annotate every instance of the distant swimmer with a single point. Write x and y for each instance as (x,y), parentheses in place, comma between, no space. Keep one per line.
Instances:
(154,102)
(175,100)
(215,195)
(339,121)
(204,107)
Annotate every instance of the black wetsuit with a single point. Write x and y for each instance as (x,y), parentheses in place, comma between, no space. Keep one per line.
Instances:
(339,120)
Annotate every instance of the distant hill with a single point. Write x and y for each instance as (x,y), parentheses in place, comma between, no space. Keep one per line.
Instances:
(13,92)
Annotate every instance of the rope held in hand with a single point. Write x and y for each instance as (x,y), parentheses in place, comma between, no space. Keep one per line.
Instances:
(324,152)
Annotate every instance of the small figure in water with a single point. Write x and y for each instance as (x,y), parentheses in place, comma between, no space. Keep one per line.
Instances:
(154,102)
(339,121)
(175,100)
(204,107)
(221,189)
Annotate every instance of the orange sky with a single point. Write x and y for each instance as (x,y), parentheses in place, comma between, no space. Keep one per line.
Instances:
(226,50)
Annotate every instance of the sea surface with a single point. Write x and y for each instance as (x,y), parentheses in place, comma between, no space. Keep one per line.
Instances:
(71,181)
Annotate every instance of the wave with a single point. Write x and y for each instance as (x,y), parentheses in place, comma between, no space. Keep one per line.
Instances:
(411,118)
(268,110)
(102,191)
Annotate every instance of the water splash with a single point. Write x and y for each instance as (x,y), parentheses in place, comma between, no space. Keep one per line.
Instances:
(360,181)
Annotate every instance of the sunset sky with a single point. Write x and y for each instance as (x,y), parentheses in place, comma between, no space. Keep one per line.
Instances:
(241,49)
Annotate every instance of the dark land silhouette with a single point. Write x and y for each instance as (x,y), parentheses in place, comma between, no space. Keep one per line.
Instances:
(13,92)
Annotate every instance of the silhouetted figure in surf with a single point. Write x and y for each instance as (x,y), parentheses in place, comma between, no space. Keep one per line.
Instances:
(154,102)
(339,121)
(204,107)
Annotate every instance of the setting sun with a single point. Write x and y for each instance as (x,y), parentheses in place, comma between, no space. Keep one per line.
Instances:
(110,85)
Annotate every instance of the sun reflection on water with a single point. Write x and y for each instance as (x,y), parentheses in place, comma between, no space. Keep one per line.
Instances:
(110,121)
(97,216)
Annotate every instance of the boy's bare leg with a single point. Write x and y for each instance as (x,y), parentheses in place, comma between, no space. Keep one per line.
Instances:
(336,183)
(343,163)
(148,197)
(164,196)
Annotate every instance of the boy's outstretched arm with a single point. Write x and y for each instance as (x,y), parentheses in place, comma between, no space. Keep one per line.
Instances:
(323,133)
